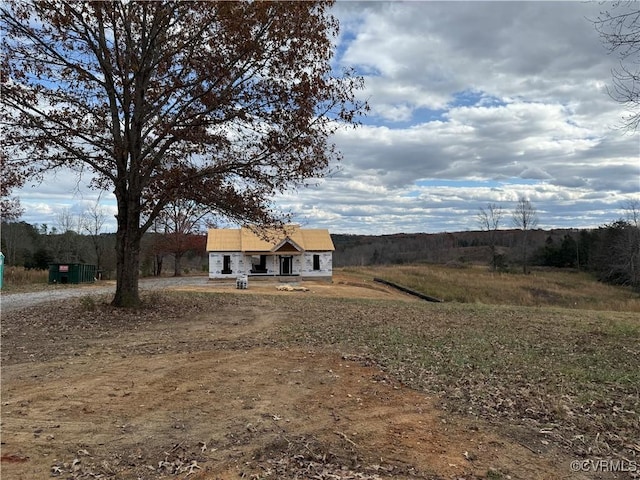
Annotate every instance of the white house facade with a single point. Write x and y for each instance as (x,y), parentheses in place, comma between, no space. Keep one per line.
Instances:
(290,252)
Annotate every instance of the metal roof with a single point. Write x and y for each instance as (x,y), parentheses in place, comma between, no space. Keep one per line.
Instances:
(268,240)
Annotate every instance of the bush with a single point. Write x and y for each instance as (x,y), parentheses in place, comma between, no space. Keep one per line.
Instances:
(88,303)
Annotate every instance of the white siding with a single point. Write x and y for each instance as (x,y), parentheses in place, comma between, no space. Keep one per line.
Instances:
(240,264)
(216,264)
(326,265)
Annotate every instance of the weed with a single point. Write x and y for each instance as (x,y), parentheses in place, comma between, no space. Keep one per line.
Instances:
(88,303)
(493,474)
(16,279)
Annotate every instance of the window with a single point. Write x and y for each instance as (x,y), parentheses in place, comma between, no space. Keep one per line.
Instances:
(316,262)
(226,264)
(259,264)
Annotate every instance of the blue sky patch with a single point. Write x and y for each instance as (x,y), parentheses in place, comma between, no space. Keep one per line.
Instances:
(472,98)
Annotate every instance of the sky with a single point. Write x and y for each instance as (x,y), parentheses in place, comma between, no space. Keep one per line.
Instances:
(472,103)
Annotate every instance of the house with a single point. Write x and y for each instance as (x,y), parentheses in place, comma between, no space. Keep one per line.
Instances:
(288,252)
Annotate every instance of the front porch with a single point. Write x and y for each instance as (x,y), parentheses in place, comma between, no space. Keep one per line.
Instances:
(264,265)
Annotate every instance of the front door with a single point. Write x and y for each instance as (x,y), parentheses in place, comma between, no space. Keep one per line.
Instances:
(285,265)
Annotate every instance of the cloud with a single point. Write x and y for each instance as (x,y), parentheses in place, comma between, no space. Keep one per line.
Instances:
(471,103)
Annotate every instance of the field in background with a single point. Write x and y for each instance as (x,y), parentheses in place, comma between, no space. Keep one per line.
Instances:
(477,284)
(554,375)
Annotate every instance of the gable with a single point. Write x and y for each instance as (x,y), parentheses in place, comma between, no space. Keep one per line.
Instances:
(287,245)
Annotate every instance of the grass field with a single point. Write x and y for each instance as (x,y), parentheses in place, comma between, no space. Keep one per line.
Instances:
(474,284)
(556,351)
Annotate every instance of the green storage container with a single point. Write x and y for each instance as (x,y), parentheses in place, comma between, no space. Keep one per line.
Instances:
(71,273)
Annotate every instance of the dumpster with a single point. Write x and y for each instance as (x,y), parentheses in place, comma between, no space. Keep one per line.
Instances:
(71,273)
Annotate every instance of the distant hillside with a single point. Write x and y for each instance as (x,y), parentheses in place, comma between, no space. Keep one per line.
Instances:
(465,247)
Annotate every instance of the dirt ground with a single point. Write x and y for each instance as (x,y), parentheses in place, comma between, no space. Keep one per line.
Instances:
(216,397)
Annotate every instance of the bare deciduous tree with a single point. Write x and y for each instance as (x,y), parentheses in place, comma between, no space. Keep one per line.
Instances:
(619,29)
(67,221)
(222,103)
(525,218)
(632,211)
(93,224)
(183,225)
(630,248)
(489,221)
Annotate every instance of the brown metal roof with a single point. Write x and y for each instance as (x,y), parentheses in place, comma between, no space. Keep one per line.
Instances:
(246,240)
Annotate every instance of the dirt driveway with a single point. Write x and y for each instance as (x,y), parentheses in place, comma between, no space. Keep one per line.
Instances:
(203,389)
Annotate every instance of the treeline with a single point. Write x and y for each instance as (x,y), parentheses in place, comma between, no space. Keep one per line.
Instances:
(461,247)
(38,246)
(610,252)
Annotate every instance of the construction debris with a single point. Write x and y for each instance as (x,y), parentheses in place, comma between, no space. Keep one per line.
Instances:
(289,288)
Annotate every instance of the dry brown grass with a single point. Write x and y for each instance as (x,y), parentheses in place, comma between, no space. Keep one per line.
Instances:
(554,288)
(20,279)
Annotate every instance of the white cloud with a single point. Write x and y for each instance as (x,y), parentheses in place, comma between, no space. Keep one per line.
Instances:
(471,103)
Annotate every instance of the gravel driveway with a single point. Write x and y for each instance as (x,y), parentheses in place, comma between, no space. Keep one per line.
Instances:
(16,301)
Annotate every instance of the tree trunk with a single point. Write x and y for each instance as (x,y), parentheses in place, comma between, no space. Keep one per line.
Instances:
(98,250)
(524,253)
(127,266)
(128,239)
(158,270)
(494,257)
(177,265)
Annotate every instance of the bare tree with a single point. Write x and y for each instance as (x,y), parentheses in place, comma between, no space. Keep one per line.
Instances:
(632,211)
(525,218)
(183,224)
(157,249)
(222,103)
(619,29)
(489,221)
(65,238)
(67,221)
(93,224)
